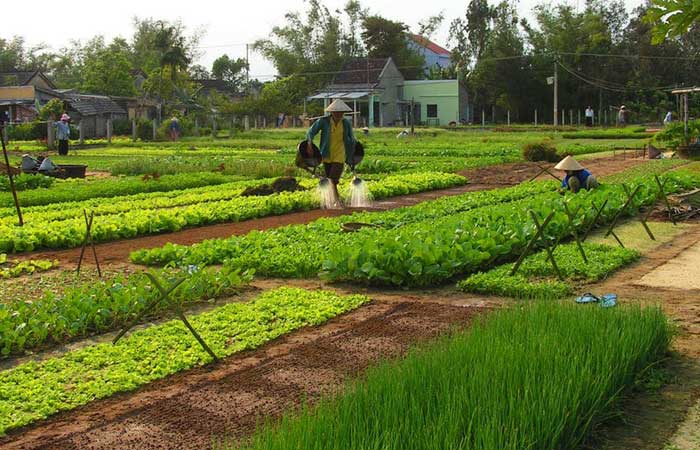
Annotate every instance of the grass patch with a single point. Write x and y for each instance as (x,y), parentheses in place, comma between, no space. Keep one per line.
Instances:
(537,377)
(633,235)
(536,277)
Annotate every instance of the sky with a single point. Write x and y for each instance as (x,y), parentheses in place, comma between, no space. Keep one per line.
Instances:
(228,25)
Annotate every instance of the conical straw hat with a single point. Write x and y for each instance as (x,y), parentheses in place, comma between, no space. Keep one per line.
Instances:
(338,106)
(568,163)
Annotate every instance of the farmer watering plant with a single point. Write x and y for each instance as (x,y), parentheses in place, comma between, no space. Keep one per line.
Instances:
(577,177)
(337,143)
(63,134)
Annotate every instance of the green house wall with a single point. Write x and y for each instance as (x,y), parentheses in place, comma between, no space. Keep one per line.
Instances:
(446,94)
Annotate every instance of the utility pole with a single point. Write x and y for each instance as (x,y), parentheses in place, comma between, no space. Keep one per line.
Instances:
(556,94)
(247,68)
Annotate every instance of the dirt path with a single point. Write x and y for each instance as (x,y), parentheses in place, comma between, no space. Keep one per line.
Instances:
(668,417)
(187,410)
(493,177)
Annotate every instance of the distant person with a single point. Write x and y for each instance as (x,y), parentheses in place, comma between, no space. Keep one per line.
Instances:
(63,134)
(280,119)
(337,142)
(622,116)
(174,128)
(577,177)
(668,119)
(589,116)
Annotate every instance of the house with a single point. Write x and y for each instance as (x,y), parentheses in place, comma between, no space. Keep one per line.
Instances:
(222,87)
(438,102)
(433,54)
(373,86)
(92,112)
(380,96)
(21,91)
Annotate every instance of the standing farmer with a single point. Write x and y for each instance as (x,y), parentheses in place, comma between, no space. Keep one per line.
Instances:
(63,134)
(174,128)
(589,117)
(337,141)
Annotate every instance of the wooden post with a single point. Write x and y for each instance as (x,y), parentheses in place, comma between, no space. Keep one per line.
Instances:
(246,122)
(571,117)
(213,126)
(579,117)
(109,130)
(483,119)
(196,126)
(535,117)
(133,129)
(155,129)
(81,132)
(509,117)
(50,135)
(493,114)
(12,181)
(5,134)
(412,116)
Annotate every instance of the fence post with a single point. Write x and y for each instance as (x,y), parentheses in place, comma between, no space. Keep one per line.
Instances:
(81,132)
(535,117)
(213,126)
(196,126)
(246,122)
(5,134)
(155,129)
(571,117)
(579,117)
(109,130)
(509,117)
(483,119)
(133,129)
(50,138)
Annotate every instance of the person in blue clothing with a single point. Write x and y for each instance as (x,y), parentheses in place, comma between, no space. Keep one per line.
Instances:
(63,134)
(577,177)
(337,141)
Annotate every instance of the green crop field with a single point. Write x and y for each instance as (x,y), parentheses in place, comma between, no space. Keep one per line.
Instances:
(180,213)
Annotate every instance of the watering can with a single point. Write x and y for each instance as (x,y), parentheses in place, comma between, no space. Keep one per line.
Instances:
(357,155)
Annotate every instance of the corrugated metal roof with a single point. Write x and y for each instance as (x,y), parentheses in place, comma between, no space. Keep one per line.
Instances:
(91,105)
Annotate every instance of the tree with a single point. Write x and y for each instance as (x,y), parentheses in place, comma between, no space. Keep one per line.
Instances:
(471,34)
(384,38)
(672,18)
(107,70)
(199,72)
(232,71)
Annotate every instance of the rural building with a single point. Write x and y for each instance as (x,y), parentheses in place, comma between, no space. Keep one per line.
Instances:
(373,86)
(209,85)
(92,112)
(21,91)
(433,54)
(438,102)
(376,89)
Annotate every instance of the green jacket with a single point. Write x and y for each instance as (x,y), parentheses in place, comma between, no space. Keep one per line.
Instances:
(324,126)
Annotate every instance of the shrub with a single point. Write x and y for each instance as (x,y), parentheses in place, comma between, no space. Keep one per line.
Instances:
(27,131)
(121,127)
(25,181)
(144,129)
(540,151)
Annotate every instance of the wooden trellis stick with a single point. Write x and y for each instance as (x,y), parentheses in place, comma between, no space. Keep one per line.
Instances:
(611,228)
(662,195)
(544,170)
(599,212)
(88,241)
(641,219)
(165,295)
(547,248)
(571,217)
(540,233)
(148,308)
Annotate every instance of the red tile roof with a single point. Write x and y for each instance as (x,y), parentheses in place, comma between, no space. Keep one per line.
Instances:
(432,46)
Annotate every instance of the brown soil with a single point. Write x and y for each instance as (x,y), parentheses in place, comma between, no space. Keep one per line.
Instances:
(188,409)
(514,173)
(117,252)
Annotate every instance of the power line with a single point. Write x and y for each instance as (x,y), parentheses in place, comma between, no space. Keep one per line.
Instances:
(610,87)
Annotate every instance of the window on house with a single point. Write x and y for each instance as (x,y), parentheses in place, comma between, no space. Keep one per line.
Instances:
(432,110)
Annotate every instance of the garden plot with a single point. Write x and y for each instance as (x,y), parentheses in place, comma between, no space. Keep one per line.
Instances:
(682,272)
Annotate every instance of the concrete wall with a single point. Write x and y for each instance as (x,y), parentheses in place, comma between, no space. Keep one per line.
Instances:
(451,106)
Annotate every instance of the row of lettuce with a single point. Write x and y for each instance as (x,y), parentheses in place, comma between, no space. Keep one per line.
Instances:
(144,214)
(416,246)
(35,390)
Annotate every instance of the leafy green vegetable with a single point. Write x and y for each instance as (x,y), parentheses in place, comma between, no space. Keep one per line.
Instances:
(36,390)
(536,277)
